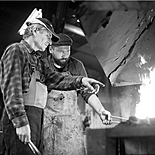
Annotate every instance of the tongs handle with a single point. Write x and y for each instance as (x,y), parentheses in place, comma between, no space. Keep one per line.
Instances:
(115,122)
(117,117)
(34,148)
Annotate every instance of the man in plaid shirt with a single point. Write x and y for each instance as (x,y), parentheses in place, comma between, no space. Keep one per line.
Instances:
(23,85)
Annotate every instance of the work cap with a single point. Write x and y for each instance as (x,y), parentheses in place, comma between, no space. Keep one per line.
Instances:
(64,40)
(47,24)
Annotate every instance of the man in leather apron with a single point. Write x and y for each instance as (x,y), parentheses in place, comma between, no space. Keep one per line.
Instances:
(63,124)
(23,80)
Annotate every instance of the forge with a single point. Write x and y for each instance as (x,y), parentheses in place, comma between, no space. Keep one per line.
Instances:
(123,139)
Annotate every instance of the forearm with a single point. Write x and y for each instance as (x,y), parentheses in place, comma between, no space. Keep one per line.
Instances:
(85,94)
(95,103)
(104,115)
(55,80)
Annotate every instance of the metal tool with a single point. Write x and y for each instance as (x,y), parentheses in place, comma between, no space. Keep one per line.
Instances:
(117,117)
(115,122)
(34,148)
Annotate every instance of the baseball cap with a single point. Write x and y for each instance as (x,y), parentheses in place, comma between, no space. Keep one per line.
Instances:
(64,40)
(47,24)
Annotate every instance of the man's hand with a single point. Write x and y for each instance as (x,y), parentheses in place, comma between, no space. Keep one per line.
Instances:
(105,116)
(89,82)
(24,133)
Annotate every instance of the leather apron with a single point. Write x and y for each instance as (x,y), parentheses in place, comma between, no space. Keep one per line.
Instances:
(37,94)
(63,128)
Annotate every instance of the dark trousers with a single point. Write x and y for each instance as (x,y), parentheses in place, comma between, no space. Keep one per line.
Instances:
(12,143)
(2,145)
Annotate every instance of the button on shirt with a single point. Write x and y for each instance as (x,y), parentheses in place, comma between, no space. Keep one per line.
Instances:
(17,65)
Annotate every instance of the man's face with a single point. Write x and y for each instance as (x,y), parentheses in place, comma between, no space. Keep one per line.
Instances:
(42,38)
(60,54)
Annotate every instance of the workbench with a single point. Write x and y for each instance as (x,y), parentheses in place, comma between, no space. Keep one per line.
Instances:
(106,141)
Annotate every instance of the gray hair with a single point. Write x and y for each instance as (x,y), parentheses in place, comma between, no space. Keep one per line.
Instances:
(29,30)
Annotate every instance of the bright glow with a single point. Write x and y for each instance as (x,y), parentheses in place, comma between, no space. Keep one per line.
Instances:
(142,60)
(35,14)
(78,20)
(74,29)
(145,108)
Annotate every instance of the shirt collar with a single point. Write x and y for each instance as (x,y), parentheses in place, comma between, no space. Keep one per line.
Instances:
(38,54)
(30,49)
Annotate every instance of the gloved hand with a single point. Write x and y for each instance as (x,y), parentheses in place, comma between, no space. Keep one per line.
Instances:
(105,116)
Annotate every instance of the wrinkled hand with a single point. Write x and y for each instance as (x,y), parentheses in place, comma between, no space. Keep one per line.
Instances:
(24,133)
(91,84)
(105,117)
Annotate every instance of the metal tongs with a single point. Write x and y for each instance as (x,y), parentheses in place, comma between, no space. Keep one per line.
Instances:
(34,148)
(117,117)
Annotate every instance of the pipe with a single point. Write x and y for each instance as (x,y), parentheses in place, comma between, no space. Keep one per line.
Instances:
(74,29)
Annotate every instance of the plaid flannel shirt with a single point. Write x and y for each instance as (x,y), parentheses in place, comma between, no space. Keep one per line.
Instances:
(17,64)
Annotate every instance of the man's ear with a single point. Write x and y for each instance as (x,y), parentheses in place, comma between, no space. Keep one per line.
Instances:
(34,30)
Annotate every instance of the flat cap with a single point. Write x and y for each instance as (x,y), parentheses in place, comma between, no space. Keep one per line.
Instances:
(64,40)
